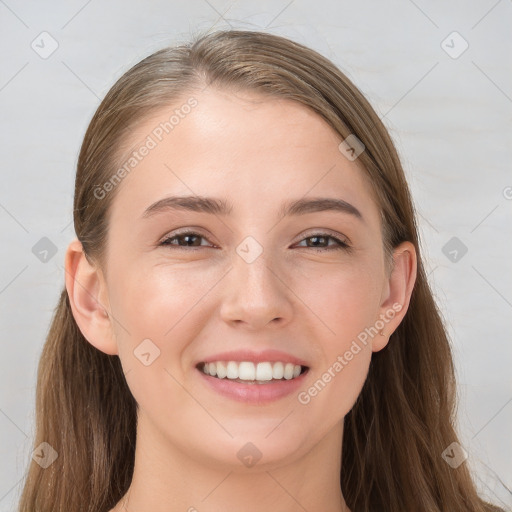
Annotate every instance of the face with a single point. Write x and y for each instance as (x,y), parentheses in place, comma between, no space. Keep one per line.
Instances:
(186,284)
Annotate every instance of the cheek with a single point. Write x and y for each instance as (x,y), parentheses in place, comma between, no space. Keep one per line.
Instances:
(158,303)
(155,312)
(335,384)
(345,301)
(332,389)
(345,298)
(153,299)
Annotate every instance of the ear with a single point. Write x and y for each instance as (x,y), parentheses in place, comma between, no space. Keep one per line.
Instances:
(87,293)
(396,294)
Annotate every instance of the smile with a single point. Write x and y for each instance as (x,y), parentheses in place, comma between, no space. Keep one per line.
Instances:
(247,371)
(252,383)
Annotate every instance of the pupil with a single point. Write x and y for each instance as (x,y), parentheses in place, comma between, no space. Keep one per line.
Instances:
(188,237)
(316,238)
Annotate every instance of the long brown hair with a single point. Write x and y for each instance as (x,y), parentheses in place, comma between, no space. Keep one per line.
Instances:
(404,418)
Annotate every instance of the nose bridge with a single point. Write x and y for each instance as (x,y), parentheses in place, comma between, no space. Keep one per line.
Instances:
(255,293)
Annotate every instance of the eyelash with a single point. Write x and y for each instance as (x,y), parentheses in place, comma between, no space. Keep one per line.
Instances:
(341,244)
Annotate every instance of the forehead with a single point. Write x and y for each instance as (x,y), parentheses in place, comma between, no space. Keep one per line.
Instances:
(257,150)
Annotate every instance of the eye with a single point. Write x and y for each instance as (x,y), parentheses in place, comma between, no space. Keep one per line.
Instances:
(185,239)
(319,239)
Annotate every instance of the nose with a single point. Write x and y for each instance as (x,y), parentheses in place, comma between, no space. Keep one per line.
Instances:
(256,294)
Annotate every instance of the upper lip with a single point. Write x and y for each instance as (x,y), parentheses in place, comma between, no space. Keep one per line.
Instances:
(270,355)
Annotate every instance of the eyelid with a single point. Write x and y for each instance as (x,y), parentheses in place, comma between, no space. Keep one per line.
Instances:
(186,231)
(341,241)
(325,232)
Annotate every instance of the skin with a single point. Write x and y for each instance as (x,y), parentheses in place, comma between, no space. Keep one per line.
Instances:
(256,153)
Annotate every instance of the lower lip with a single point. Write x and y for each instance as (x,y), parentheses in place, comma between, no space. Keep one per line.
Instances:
(254,393)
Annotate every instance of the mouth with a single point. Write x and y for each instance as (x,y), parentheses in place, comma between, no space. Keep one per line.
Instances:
(253,383)
(248,372)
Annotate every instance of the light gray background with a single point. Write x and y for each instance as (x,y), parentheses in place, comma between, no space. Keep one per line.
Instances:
(450,118)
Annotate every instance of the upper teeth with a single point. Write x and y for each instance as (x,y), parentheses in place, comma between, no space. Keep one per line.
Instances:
(247,370)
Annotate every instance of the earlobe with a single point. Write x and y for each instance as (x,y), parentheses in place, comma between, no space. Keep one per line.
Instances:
(395,300)
(87,295)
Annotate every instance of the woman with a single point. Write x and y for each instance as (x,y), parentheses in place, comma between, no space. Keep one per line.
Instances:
(246,322)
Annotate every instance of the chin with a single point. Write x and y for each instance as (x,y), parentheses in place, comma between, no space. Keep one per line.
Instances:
(255,450)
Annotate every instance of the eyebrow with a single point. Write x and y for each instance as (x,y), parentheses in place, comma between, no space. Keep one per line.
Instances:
(217,206)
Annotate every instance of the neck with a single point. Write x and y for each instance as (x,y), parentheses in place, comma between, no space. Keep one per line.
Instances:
(171,480)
